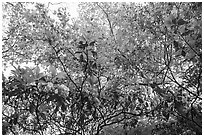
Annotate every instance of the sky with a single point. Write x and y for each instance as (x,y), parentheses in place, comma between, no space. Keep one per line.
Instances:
(72,7)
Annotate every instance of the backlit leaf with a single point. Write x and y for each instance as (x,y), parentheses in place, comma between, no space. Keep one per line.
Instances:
(53,70)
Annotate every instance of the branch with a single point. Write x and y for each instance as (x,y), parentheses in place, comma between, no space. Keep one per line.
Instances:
(175,81)
(109,22)
(65,70)
(9,47)
(100,126)
(10,3)
(190,46)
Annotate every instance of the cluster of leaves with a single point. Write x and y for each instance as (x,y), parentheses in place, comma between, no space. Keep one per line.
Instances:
(123,68)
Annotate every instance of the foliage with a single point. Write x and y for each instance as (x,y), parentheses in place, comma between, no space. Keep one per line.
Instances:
(119,68)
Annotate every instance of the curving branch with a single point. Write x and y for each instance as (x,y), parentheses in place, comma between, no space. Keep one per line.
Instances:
(65,70)
(107,17)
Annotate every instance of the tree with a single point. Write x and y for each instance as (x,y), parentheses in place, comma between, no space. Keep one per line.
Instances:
(119,68)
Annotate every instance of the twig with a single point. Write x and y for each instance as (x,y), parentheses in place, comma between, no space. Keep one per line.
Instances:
(107,17)
(175,81)
(65,70)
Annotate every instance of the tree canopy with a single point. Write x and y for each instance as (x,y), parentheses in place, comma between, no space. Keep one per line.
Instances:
(118,68)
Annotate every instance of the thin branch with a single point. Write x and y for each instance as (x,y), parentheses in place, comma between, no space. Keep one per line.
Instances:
(175,81)
(190,46)
(11,47)
(107,17)
(65,70)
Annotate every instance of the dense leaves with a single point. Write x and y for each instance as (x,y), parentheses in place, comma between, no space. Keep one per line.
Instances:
(118,68)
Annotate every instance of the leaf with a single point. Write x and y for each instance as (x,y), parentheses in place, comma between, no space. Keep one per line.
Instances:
(190,54)
(89,106)
(169,20)
(140,100)
(92,43)
(4,130)
(29,78)
(63,87)
(37,70)
(129,98)
(187,32)
(42,79)
(174,21)
(15,73)
(95,116)
(165,114)
(53,71)
(15,120)
(172,108)
(153,114)
(81,120)
(94,65)
(94,54)
(192,42)
(81,58)
(78,52)
(176,45)
(74,58)
(43,115)
(52,98)
(182,29)
(181,22)
(166,104)
(63,107)
(146,104)
(61,75)
(138,108)
(3,77)
(32,108)
(133,123)
(56,109)
(178,53)
(82,46)
(183,53)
